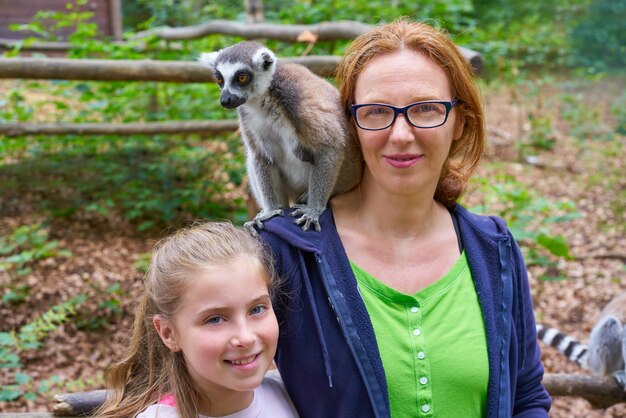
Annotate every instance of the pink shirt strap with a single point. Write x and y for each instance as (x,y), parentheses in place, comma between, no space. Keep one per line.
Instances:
(167,399)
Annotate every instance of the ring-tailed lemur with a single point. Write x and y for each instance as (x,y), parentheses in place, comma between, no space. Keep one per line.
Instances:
(606,352)
(293,128)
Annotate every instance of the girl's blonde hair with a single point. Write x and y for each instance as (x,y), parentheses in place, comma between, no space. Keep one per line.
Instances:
(149,370)
(465,152)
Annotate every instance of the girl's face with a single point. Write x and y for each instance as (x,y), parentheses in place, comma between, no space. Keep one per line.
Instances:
(403,159)
(226,329)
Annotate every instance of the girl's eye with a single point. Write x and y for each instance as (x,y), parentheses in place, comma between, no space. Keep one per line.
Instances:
(215,320)
(243,78)
(257,310)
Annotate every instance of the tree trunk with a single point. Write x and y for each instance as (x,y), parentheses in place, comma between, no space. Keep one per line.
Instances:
(254,11)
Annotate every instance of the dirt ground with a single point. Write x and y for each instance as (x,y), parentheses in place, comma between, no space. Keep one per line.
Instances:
(105,253)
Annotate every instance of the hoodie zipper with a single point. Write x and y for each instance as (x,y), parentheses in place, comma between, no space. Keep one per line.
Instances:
(339,306)
(504,402)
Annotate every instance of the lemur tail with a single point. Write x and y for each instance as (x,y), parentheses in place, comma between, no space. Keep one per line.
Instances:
(572,349)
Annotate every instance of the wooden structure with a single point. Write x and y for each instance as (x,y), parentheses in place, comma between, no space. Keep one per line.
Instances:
(173,71)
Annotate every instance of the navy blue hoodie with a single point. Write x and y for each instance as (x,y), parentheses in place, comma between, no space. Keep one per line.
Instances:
(327,351)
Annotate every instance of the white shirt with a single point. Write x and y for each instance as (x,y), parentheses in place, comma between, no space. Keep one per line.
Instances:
(270,401)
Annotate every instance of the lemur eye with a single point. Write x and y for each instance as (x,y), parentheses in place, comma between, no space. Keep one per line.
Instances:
(243,78)
(219,80)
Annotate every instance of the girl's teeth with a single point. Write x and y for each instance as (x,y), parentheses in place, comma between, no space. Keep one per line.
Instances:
(244,361)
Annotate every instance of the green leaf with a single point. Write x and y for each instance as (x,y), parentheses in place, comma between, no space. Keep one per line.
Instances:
(30,396)
(6,339)
(548,278)
(9,393)
(21,378)
(555,244)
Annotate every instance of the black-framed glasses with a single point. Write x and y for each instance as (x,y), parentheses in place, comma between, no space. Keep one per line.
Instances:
(429,114)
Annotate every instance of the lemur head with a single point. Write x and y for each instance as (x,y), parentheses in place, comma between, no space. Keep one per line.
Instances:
(243,71)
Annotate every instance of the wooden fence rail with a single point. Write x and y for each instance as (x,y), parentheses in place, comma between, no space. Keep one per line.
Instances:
(135,128)
(133,70)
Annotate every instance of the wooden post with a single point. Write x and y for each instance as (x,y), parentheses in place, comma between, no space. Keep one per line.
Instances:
(254,11)
(115,17)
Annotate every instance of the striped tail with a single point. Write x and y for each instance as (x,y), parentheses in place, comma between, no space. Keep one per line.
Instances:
(572,349)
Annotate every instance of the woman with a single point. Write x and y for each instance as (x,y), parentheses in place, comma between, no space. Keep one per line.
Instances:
(406,304)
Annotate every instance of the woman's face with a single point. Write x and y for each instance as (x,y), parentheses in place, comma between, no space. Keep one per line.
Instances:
(403,159)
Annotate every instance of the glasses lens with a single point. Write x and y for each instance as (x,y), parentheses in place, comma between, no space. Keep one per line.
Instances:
(374,116)
(427,114)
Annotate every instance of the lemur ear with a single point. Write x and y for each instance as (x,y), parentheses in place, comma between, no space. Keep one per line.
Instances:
(264,59)
(208,59)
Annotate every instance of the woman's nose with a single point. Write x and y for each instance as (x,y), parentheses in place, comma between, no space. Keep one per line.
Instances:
(401,131)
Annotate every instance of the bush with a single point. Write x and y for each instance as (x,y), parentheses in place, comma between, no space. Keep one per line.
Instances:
(598,41)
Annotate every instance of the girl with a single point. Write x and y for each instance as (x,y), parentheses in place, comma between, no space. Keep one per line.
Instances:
(204,334)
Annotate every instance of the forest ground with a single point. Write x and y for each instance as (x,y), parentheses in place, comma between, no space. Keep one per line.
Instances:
(590,173)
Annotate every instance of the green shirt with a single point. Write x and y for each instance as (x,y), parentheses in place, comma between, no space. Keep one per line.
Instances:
(432,345)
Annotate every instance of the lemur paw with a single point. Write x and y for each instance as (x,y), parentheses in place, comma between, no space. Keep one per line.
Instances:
(621,378)
(257,222)
(307,217)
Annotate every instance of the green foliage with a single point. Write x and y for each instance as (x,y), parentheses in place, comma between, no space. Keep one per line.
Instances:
(150,182)
(142,263)
(13,107)
(109,307)
(618,109)
(147,180)
(599,39)
(583,118)
(30,337)
(528,216)
(18,251)
(49,24)
(541,135)
(457,13)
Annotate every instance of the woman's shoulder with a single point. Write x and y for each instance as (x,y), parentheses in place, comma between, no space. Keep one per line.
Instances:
(159,411)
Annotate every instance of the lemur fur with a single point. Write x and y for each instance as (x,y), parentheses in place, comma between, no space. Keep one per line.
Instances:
(294,130)
(606,352)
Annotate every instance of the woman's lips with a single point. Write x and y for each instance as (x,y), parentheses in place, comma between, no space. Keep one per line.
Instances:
(402,160)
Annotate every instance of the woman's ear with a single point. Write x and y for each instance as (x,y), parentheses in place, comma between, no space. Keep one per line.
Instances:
(165,329)
(459,125)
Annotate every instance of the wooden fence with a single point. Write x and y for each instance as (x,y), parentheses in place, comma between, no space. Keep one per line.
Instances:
(173,71)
